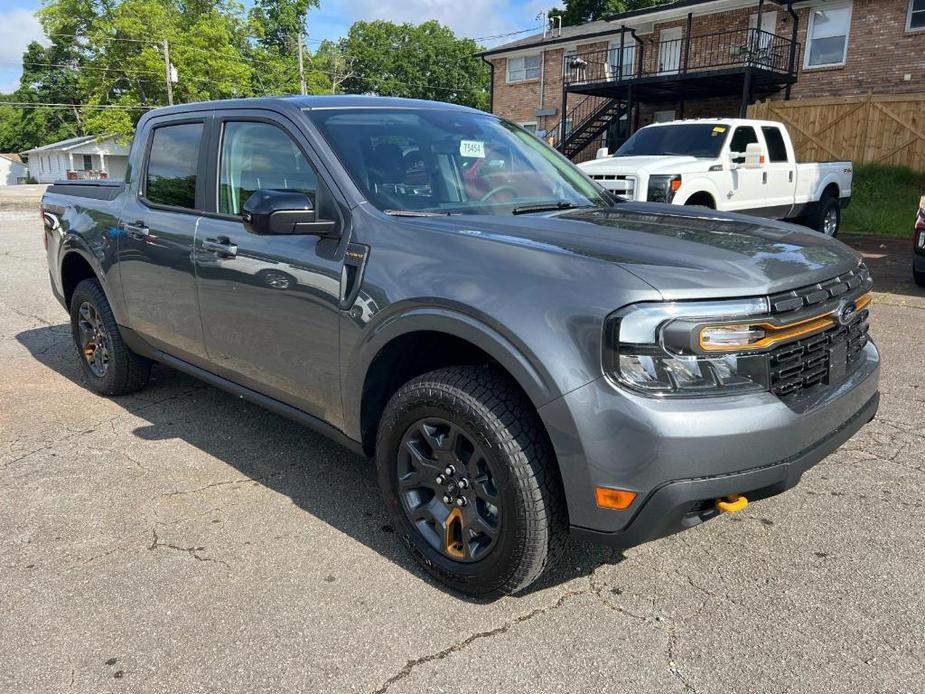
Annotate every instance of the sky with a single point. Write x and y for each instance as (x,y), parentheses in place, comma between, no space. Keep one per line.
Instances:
(472,18)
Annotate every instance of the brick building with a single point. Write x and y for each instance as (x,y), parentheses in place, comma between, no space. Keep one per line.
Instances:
(703,58)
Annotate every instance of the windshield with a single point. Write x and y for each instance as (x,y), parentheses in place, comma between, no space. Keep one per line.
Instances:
(449,161)
(702,140)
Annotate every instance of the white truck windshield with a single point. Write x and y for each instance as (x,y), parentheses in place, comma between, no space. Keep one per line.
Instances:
(702,140)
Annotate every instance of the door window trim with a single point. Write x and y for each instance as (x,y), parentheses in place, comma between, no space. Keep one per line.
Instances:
(200,169)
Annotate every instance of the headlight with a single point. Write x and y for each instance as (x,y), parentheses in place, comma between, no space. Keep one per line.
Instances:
(652,348)
(663,188)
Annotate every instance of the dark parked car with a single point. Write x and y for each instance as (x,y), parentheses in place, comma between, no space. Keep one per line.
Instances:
(918,246)
(520,351)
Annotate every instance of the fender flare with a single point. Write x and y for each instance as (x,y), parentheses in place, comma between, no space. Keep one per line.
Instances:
(513,356)
(73,244)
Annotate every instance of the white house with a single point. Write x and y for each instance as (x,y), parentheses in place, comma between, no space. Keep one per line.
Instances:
(12,170)
(78,158)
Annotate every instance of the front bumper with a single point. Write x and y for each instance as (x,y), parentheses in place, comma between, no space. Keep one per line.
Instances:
(679,455)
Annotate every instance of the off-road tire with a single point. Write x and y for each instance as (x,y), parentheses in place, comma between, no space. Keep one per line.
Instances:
(488,406)
(127,372)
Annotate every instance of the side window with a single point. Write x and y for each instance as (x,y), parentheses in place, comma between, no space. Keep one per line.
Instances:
(172,165)
(260,156)
(777,149)
(742,138)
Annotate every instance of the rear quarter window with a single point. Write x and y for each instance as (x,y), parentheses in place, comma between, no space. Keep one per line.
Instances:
(173,160)
(777,149)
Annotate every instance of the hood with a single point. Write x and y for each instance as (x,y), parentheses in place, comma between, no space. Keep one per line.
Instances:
(652,165)
(684,253)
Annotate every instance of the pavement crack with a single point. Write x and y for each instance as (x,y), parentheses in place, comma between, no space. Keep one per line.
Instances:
(192,551)
(672,663)
(242,480)
(598,590)
(461,645)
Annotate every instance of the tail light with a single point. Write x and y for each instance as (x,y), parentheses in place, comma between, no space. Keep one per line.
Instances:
(44,226)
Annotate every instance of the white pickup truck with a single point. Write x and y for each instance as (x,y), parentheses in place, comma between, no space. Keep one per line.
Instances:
(726,164)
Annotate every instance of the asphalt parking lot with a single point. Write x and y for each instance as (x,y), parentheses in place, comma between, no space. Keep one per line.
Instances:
(181,540)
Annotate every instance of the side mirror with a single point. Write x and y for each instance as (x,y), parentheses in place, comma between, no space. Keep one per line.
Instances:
(275,212)
(754,156)
(602,153)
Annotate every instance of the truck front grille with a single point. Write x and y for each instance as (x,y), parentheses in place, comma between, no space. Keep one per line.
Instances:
(815,359)
(618,183)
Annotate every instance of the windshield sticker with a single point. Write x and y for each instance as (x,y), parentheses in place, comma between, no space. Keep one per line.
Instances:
(718,130)
(472,148)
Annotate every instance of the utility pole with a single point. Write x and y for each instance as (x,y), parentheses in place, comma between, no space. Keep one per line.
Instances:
(301,67)
(167,73)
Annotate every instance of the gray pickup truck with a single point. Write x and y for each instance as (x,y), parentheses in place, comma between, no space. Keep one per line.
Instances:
(523,353)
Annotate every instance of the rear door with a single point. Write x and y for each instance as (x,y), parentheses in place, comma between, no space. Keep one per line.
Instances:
(780,172)
(270,304)
(157,227)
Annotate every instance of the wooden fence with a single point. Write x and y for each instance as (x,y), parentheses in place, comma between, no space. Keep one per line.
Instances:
(872,129)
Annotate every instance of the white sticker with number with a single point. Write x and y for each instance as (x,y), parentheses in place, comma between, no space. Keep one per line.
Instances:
(472,148)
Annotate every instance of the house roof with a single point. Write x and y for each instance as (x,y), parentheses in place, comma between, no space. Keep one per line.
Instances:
(71,143)
(12,156)
(602,27)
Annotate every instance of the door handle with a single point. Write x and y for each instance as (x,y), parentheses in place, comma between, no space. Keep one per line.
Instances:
(137,230)
(764,178)
(221,246)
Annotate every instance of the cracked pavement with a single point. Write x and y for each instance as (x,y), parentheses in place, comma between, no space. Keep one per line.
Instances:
(181,540)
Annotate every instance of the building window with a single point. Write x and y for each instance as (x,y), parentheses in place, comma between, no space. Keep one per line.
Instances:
(916,15)
(530,127)
(828,36)
(524,68)
(88,162)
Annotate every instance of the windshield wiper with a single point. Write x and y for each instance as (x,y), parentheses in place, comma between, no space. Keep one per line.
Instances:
(548,207)
(418,213)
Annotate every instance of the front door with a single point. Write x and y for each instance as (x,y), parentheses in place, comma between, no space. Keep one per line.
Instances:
(270,304)
(669,50)
(157,228)
(748,192)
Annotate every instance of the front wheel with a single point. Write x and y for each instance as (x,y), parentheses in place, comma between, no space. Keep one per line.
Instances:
(468,477)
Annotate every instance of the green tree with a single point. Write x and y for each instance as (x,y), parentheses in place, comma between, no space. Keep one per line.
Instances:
(424,61)
(581,11)
(278,22)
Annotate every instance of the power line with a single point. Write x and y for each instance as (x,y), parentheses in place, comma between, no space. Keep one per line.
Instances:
(48,104)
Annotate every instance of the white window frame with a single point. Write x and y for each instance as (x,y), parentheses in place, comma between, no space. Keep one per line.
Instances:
(909,27)
(809,34)
(531,123)
(523,58)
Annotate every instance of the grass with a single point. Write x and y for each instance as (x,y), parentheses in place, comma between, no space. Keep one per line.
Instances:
(884,200)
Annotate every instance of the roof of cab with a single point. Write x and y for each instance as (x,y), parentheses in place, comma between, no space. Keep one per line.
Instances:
(322,101)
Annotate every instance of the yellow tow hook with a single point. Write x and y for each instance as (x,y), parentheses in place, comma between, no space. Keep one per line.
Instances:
(732,503)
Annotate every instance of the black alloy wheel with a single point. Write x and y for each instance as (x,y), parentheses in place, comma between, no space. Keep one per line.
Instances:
(448,489)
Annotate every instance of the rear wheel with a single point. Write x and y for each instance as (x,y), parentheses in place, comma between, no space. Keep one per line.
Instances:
(827,218)
(919,277)
(469,480)
(110,366)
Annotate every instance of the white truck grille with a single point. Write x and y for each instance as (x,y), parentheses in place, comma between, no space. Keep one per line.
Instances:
(618,183)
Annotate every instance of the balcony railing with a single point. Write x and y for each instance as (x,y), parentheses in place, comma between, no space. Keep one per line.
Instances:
(740,48)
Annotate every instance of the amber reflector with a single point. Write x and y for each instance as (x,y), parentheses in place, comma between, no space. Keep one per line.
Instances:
(617,499)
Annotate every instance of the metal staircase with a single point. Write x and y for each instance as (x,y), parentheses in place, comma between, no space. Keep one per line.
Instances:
(585,123)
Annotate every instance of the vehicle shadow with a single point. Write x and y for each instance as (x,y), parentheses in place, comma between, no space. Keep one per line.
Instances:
(889,259)
(320,477)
